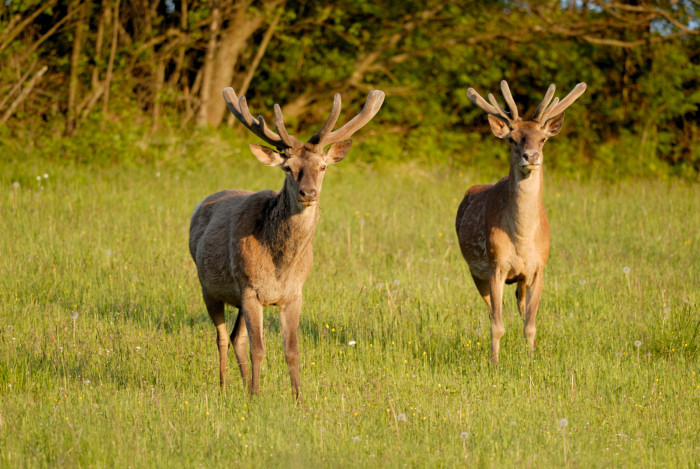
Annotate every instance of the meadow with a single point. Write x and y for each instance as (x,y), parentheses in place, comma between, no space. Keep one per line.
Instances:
(108,357)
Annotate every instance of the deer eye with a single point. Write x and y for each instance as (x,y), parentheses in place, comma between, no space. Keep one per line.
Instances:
(323,167)
(542,141)
(286,169)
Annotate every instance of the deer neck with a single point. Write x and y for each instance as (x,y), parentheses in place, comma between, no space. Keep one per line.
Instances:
(289,227)
(524,202)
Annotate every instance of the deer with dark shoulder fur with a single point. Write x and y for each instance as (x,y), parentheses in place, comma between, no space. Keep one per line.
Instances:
(502,228)
(255,249)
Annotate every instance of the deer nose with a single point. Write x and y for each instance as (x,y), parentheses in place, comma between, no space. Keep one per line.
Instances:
(307,195)
(529,157)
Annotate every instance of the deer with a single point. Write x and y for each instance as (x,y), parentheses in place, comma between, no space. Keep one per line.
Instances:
(502,228)
(255,249)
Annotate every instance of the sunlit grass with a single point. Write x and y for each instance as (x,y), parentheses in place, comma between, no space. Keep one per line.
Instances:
(108,358)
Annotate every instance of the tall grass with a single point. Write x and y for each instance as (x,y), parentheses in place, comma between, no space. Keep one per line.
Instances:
(108,358)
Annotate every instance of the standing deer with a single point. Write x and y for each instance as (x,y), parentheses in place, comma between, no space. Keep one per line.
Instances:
(502,228)
(255,249)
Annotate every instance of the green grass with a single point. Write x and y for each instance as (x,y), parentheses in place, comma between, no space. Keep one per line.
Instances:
(108,358)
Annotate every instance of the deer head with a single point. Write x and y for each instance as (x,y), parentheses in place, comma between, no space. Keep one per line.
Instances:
(526,137)
(303,163)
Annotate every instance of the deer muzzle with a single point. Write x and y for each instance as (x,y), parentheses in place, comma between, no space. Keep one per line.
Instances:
(308,196)
(530,159)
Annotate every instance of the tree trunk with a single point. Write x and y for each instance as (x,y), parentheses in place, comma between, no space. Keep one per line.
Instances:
(104,14)
(74,69)
(243,23)
(110,63)
(208,68)
(157,92)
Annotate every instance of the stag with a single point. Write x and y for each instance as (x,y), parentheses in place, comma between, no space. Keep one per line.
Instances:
(255,249)
(502,228)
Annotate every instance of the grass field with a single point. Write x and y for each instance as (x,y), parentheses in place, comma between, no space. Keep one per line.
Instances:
(108,358)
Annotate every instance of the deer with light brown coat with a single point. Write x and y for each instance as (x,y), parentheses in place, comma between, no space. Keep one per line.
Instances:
(502,228)
(255,249)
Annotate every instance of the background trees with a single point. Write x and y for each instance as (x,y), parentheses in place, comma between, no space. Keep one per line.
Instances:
(161,65)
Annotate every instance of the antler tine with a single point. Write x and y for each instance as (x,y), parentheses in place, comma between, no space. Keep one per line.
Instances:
(509,101)
(232,103)
(375,98)
(555,101)
(289,140)
(494,102)
(330,122)
(260,128)
(494,109)
(269,133)
(481,102)
(545,102)
(249,119)
(558,107)
(239,108)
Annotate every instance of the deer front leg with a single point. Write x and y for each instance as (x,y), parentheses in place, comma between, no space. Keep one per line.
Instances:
(239,339)
(289,323)
(253,315)
(218,317)
(534,293)
(496,284)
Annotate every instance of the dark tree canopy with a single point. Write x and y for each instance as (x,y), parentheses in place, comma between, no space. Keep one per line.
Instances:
(72,64)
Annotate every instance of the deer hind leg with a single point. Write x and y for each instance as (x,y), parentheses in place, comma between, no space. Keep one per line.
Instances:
(239,339)
(218,317)
(534,293)
(253,315)
(289,323)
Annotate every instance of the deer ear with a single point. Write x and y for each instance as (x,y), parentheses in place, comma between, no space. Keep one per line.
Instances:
(499,127)
(266,156)
(338,151)
(553,125)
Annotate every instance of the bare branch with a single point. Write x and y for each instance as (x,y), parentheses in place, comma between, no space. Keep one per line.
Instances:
(22,96)
(10,34)
(16,87)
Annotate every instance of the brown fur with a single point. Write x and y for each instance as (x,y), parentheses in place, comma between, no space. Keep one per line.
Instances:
(503,229)
(256,249)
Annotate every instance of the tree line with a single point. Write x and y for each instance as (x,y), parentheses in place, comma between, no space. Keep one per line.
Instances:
(163,64)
